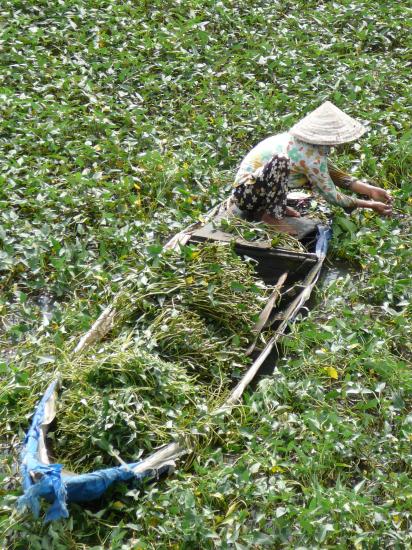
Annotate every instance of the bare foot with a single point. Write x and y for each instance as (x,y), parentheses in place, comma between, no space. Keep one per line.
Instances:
(280,225)
(291,212)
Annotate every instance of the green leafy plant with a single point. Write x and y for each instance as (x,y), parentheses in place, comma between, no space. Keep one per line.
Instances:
(121,124)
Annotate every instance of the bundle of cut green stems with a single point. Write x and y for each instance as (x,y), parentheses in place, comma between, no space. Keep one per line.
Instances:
(259,231)
(180,338)
(209,280)
(121,400)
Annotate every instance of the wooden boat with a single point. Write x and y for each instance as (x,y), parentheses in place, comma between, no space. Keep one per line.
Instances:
(271,261)
(275,265)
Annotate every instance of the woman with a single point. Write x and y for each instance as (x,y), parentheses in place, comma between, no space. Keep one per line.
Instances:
(297,158)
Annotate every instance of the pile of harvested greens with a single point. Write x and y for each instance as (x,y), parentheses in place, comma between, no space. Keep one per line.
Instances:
(121,401)
(259,231)
(184,324)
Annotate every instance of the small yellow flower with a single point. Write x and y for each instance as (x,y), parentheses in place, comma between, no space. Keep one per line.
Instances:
(332,372)
(397,519)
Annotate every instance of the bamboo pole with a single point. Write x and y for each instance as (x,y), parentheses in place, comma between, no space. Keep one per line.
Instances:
(290,312)
(267,310)
(98,330)
(160,458)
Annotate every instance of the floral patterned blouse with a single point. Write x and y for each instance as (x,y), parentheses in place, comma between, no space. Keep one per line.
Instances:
(308,165)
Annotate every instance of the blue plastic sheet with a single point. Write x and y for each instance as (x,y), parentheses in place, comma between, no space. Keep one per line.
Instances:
(48,482)
(322,243)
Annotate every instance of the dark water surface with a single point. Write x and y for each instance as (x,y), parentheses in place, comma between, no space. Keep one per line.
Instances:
(331,272)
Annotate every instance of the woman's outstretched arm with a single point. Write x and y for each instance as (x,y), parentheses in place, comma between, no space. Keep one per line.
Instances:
(381,199)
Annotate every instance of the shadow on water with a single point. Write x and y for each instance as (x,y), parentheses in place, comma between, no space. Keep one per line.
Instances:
(331,272)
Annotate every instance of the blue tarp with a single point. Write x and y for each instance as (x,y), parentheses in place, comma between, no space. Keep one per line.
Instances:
(324,236)
(47,480)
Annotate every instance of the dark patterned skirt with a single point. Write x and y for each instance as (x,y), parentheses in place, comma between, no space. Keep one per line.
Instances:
(265,190)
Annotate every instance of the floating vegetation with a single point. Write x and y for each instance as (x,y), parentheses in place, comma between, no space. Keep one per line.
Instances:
(122,122)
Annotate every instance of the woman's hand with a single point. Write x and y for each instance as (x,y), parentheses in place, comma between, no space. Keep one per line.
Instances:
(381,200)
(380,195)
(375,193)
(381,208)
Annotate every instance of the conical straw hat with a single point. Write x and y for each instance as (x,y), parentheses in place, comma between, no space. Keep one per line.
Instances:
(327,125)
